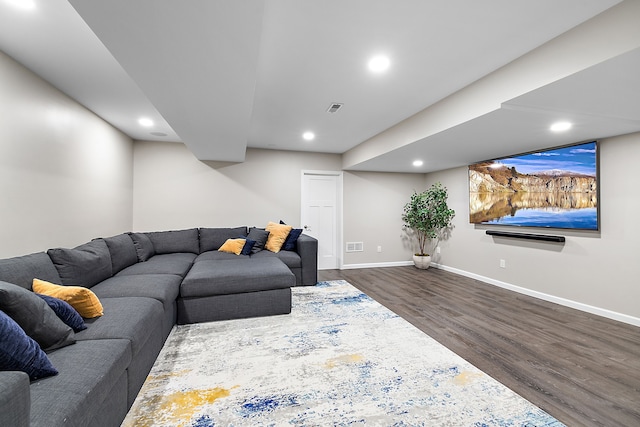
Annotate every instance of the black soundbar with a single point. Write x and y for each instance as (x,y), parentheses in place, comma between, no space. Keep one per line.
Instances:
(543,237)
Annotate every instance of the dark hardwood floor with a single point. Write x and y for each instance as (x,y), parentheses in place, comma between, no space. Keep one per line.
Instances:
(580,368)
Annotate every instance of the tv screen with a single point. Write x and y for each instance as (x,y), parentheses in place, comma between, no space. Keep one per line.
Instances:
(553,188)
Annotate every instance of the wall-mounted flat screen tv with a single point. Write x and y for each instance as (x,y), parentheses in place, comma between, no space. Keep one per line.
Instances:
(552,188)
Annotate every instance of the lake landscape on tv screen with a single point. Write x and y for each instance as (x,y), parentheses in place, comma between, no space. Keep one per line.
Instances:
(555,188)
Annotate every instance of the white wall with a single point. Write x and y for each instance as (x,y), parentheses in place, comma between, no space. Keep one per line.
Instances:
(598,271)
(65,174)
(373,204)
(174,190)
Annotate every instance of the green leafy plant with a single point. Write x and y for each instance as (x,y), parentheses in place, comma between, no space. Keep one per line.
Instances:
(428,214)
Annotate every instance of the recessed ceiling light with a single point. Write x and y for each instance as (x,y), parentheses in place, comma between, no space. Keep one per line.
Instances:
(22,4)
(560,126)
(379,63)
(308,136)
(146,122)
(418,163)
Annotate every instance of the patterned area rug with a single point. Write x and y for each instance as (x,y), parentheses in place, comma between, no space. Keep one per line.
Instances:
(339,358)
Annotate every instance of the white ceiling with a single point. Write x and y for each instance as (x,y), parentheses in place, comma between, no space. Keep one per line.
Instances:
(225,75)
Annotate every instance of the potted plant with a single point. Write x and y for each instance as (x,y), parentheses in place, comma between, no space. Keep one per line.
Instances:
(427,215)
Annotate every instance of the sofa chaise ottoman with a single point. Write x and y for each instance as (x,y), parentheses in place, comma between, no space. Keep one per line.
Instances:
(232,289)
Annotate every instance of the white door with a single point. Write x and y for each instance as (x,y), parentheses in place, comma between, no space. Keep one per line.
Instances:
(320,216)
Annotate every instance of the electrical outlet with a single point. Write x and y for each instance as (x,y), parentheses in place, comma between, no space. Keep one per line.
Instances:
(503,264)
(437,249)
(379,248)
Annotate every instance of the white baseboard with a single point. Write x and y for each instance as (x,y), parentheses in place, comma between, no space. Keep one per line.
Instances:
(624,318)
(546,297)
(376,265)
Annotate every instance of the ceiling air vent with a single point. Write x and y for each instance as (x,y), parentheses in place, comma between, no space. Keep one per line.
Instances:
(334,107)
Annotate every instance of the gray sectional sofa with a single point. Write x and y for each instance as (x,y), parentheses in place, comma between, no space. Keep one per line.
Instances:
(146,283)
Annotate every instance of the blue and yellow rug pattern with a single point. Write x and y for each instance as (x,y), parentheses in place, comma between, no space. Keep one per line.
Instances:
(338,359)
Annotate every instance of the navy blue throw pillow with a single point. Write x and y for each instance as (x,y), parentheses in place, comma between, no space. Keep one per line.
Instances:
(248,245)
(65,312)
(18,352)
(290,243)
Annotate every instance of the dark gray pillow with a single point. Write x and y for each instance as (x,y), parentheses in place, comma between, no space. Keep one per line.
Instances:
(19,352)
(23,269)
(84,265)
(123,252)
(260,236)
(35,317)
(143,245)
(175,241)
(212,238)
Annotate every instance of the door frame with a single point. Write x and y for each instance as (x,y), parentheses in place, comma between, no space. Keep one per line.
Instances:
(339,207)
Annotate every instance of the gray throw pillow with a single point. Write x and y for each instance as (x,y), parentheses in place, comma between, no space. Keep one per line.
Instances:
(84,265)
(35,317)
(260,236)
(143,245)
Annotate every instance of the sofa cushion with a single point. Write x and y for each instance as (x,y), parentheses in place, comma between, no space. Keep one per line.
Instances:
(65,312)
(131,318)
(21,270)
(162,287)
(84,265)
(35,317)
(212,238)
(289,258)
(15,399)
(18,352)
(168,242)
(260,236)
(123,252)
(219,256)
(178,264)
(88,374)
(143,245)
(83,300)
(208,278)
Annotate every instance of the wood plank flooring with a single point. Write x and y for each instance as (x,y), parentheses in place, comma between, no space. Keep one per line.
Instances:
(581,368)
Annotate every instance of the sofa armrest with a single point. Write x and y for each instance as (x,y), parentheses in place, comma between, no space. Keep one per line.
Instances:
(307,248)
(15,399)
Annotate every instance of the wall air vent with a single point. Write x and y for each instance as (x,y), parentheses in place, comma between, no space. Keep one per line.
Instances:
(355,247)
(334,107)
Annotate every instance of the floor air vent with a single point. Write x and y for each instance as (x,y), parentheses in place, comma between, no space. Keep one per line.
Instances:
(355,246)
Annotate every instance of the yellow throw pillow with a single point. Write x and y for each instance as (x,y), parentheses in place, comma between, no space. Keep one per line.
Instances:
(85,302)
(277,235)
(232,246)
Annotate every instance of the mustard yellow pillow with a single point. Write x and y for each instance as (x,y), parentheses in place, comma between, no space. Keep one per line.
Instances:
(277,235)
(85,302)
(232,246)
